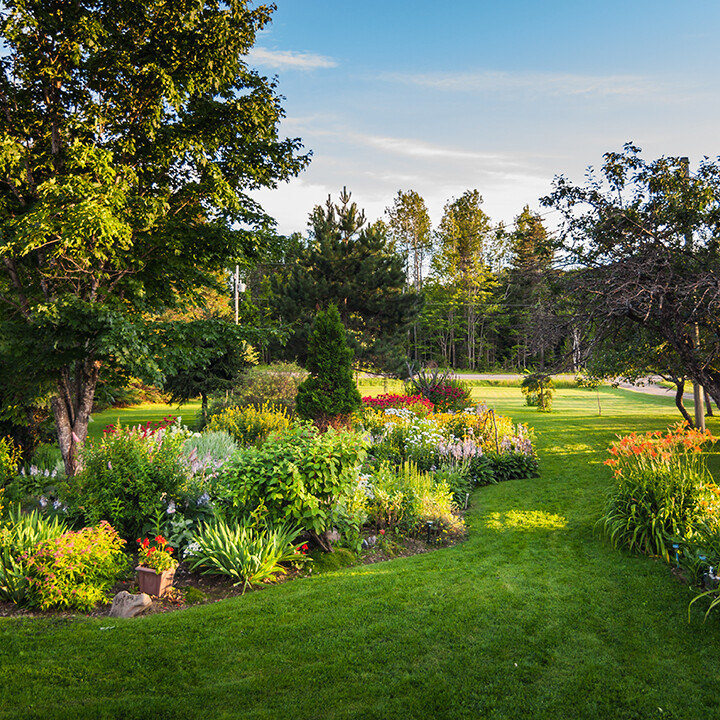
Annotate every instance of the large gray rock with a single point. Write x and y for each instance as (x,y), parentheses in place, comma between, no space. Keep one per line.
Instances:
(126,605)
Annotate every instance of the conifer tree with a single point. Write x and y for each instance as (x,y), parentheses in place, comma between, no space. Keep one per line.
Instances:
(329,395)
(351,265)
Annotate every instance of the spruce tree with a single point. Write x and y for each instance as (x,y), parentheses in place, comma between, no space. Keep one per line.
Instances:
(329,395)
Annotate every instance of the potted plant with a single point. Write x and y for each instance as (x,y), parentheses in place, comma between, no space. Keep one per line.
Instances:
(156,568)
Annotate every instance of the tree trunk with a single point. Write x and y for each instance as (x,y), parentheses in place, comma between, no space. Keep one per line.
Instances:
(708,404)
(72,407)
(204,408)
(679,392)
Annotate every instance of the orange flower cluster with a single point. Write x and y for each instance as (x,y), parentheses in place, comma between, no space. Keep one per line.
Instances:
(656,448)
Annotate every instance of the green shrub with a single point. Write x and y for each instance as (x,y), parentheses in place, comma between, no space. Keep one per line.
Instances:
(276,384)
(538,390)
(75,569)
(298,474)
(248,554)
(19,534)
(329,396)
(126,475)
(250,425)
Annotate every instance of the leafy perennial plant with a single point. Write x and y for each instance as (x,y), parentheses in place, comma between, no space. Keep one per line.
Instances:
(663,490)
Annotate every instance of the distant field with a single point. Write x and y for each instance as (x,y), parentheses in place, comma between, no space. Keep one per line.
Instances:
(138,414)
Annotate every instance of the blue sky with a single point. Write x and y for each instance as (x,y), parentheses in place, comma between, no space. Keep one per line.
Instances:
(445,97)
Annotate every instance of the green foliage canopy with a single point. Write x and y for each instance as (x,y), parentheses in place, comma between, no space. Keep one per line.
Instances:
(130,134)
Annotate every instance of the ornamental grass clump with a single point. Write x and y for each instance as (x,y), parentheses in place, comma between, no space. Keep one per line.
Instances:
(444,392)
(405,499)
(76,569)
(249,553)
(663,492)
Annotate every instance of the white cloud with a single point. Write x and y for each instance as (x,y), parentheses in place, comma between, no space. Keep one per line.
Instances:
(419,149)
(288,60)
(555,84)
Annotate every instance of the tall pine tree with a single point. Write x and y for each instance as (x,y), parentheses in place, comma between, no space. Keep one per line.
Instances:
(351,265)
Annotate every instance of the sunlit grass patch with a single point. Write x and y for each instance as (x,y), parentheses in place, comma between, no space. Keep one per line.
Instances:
(524,520)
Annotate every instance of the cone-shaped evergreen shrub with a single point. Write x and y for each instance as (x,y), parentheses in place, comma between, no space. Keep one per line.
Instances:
(329,396)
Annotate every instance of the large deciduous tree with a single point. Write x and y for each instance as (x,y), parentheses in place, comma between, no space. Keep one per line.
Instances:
(411,231)
(129,135)
(462,261)
(643,239)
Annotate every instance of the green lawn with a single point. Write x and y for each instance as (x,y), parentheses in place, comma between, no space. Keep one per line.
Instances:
(534,616)
(139,414)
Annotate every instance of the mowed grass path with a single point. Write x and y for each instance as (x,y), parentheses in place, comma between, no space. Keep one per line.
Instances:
(535,616)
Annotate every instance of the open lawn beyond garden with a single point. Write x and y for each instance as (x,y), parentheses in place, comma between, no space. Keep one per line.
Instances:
(534,616)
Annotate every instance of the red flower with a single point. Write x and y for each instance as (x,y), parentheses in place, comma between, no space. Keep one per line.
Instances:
(160,539)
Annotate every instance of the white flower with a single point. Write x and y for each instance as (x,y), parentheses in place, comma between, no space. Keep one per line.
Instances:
(191,549)
(204,499)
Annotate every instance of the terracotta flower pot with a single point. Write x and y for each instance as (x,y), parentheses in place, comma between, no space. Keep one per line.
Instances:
(154,583)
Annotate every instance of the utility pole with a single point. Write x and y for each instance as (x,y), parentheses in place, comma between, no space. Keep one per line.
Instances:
(697,388)
(237,294)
